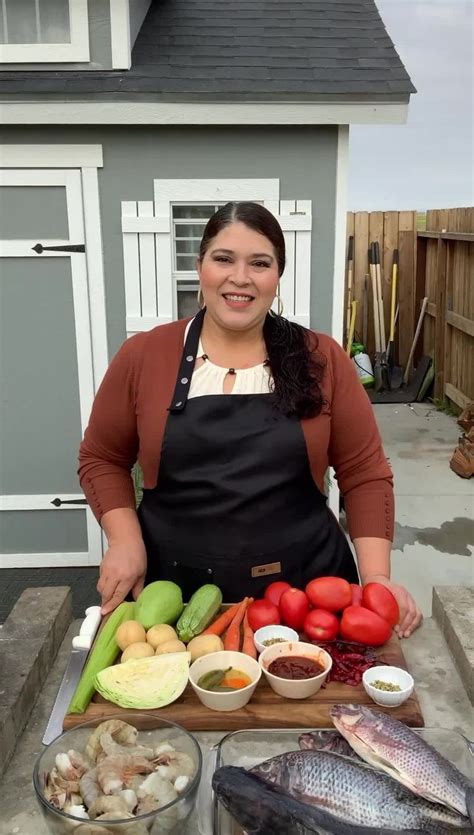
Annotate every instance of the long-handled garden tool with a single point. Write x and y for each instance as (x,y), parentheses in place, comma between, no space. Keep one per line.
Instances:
(424,305)
(378,385)
(395,372)
(350,337)
(350,267)
(380,365)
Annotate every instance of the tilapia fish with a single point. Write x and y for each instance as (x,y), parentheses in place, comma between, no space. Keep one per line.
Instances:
(265,809)
(327,741)
(354,795)
(391,746)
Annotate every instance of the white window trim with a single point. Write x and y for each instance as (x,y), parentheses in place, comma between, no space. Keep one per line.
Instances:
(51,156)
(120,34)
(51,53)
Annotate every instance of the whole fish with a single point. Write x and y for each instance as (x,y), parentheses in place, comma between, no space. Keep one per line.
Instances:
(354,794)
(327,741)
(391,746)
(265,809)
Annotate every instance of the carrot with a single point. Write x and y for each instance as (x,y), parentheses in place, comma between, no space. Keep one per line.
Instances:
(221,623)
(232,638)
(236,683)
(248,645)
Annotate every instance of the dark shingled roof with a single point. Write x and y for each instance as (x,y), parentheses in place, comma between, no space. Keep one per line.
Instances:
(246,50)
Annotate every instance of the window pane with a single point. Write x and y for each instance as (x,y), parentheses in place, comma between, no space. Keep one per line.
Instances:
(189,230)
(194,211)
(187,303)
(27,21)
(184,247)
(186,262)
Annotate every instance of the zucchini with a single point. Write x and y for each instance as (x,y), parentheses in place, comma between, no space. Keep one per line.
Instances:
(102,655)
(200,611)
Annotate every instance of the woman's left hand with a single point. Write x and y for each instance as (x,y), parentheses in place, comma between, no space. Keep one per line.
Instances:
(410,615)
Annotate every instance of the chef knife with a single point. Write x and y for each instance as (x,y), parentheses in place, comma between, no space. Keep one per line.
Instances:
(81,645)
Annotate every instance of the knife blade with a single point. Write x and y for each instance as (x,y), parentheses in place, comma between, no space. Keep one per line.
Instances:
(81,645)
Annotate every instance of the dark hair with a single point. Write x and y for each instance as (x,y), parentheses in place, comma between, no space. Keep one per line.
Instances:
(297,366)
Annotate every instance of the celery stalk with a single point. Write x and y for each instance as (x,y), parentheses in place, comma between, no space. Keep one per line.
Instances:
(102,655)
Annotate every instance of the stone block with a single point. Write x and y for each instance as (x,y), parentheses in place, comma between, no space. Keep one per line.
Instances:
(453,609)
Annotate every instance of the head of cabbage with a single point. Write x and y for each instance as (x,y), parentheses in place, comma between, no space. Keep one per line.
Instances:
(145,683)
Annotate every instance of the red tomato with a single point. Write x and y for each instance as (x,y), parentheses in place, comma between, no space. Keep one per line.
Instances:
(379,599)
(294,607)
(274,591)
(262,613)
(356,594)
(330,593)
(365,627)
(320,625)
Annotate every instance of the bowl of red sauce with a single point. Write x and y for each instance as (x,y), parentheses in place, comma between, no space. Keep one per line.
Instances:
(295,670)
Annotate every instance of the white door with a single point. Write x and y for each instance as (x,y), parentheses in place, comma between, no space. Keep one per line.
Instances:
(49,341)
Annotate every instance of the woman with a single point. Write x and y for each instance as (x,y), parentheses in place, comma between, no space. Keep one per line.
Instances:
(234,418)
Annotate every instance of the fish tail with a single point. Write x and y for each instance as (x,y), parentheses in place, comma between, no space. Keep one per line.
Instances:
(470,803)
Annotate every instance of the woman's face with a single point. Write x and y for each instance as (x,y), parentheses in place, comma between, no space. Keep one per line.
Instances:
(239,277)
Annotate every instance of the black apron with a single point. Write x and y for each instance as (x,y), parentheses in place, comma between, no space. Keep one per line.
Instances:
(235,502)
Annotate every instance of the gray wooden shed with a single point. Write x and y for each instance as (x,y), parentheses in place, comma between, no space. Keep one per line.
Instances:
(124,124)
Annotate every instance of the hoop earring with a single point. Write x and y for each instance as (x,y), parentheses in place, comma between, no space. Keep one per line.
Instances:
(280,307)
(200,298)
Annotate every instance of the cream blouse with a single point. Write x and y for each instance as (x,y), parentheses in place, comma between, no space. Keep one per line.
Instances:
(209,378)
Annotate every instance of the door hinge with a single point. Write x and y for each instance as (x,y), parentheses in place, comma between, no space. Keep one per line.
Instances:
(58,502)
(39,248)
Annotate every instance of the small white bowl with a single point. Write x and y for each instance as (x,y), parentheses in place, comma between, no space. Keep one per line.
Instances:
(275,631)
(394,675)
(221,661)
(295,688)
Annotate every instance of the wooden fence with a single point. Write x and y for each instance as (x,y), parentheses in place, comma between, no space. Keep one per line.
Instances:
(437,262)
(445,273)
(392,230)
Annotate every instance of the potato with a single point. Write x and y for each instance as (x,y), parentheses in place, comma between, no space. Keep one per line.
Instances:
(203,645)
(160,633)
(139,650)
(170,646)
(130,632)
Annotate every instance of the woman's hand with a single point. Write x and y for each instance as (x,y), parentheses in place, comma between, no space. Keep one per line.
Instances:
(410,615)
(122,570)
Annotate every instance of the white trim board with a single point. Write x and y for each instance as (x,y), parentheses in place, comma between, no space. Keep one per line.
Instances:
(51,156)
(47,560)
(340,221)
(215,191)
(40,501)
(200,113)
(77,49)
(120,34)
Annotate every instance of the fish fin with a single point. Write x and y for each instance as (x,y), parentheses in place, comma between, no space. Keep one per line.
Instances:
(470,802)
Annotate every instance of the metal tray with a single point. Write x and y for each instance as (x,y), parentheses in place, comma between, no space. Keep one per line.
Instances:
(237,749)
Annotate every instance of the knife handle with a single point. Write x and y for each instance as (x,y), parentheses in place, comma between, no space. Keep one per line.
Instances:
(89,627)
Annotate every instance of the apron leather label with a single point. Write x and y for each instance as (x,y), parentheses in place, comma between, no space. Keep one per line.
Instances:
(269,568)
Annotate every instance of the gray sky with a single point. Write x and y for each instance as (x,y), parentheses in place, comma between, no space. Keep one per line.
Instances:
(428,162)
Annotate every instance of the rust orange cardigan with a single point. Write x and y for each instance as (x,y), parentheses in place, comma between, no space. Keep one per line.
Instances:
(130,411)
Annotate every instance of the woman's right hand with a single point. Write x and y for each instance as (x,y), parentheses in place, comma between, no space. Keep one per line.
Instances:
(122,570)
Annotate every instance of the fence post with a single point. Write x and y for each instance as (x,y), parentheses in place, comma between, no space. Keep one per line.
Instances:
(421,289)
(440,323)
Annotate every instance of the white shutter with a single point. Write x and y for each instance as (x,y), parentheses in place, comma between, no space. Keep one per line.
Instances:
(150,291)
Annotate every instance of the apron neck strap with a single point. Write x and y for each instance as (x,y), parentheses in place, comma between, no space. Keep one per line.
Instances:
(186,366)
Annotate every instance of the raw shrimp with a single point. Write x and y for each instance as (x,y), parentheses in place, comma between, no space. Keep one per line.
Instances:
(71,766)
(112,748)
(113,772)
(122,732)
(173,764)
(57,787)
(130,798)
(74,806)
(155,792)
(136,828)
(109,803)
(89,787)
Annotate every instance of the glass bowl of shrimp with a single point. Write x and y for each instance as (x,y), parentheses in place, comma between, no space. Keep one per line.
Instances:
(105,776)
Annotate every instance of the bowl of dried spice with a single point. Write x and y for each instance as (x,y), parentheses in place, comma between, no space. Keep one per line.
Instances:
(388,686)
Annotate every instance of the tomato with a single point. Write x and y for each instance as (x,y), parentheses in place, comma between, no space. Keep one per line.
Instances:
(365,627)
(262,613)
(274,591)
(330,593)
(356,594)
(294,607)
(320,625)
(379,599)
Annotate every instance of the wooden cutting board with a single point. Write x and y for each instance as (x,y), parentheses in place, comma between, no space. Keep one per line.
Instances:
(266,709)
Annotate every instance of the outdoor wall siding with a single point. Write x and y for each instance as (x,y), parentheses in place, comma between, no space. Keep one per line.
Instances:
(99,44)
(138,10)
(302,158)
